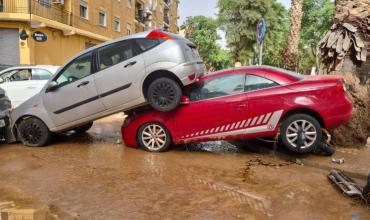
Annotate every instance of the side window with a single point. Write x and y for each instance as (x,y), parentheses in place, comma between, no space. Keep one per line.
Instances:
(218,87)
(147,44)
(40,74)
(17,75)
(77,69)
(256,82)
(115,53)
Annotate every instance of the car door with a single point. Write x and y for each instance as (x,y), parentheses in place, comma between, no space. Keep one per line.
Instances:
(76,96)
(264,103)
(120,72)
(16,83)
(215,110)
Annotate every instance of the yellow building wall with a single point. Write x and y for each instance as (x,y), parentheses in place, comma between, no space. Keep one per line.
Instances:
(58,48)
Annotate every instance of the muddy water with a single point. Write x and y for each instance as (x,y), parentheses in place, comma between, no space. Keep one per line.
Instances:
(92,177)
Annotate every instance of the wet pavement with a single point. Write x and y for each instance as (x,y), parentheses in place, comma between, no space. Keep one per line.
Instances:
(94,176)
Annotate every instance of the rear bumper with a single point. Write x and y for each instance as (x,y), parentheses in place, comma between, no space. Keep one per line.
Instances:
(342,114)
(191,72)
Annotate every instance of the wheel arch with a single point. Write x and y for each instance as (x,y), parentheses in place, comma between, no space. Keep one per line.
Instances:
(155,75)
(21,118)
(307,111)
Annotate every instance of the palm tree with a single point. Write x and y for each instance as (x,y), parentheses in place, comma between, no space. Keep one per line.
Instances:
(294,34)
(345,50)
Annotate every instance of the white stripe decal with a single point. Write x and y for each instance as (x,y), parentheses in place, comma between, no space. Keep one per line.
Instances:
(254,121)
(270,126)
(260,119)
(227,127)
(267,118)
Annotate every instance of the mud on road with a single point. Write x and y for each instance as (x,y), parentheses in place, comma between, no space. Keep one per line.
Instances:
(92,176)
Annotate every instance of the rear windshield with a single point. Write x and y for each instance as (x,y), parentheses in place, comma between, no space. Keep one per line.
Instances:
(146,44)
(291,73)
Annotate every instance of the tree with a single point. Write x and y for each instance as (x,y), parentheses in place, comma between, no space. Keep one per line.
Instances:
(292,54)
(344,49)
(317,19)
(203,32)
(239,19)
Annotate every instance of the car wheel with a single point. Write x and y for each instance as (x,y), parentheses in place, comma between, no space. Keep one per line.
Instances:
(33,132)
(164,94)
(301,133)
(154,137)
(83,128)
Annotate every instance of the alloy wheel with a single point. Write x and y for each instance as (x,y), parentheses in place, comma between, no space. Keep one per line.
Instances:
(154,137)
(301,134)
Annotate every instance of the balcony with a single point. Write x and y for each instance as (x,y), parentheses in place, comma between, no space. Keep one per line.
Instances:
(167,3)
(39,8)
(139,12)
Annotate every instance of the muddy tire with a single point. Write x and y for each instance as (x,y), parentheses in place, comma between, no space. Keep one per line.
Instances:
(33,132)
(164,94)
(83,128)
(301,133)
(154,137)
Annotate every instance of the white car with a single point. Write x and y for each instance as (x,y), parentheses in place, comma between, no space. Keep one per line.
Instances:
(22,82)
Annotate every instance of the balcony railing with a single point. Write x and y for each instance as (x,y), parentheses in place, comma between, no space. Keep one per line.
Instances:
(39,8)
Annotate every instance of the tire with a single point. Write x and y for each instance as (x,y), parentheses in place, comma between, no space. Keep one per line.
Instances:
(83,128)
(33,132)
(324,150)
(301,133)
(164,94)
(154,137)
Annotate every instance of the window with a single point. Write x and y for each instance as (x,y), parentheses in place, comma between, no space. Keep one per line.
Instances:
(115,53)
(102,19)
(46,3)
(17,75)
(1,5)
(84,13)
(77,69)
(256,82)
(147,44)
(129,3)
(128,28)
(218,87)
(117,24)
(40,74)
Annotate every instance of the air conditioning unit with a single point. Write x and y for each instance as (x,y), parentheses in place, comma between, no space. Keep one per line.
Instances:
(59,2)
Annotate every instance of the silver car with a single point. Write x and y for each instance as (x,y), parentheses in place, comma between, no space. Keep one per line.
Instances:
(120,75)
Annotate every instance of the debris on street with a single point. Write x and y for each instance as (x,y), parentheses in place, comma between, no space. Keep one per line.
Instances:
(338,161)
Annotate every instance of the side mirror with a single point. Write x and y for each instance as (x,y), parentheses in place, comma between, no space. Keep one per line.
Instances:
(52,86)
(185,100)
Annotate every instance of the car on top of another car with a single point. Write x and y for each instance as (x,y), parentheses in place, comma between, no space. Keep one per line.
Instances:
(119,75)
(246,103)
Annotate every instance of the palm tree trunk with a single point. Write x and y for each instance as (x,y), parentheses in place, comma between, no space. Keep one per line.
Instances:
(345,50)
(294,35)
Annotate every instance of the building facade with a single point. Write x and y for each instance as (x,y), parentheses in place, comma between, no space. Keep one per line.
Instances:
(52,31)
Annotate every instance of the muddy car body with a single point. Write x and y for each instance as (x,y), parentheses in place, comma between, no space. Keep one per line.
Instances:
(115,76)
(247,103)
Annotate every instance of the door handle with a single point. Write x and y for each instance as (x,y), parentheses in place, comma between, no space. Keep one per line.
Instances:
(83,84)
(130,64)
(241,106)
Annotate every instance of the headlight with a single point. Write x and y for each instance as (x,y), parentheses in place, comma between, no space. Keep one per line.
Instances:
(2,123)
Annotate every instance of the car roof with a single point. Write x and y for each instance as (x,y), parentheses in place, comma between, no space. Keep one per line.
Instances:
(51,68)
(279,75)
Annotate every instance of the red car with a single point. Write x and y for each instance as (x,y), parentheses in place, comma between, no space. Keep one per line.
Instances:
(246,103)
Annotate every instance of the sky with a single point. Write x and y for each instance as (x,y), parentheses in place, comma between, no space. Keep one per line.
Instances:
(207,8)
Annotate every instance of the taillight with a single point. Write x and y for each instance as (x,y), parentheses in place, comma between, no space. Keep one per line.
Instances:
(156,34)
(340,87)
(192,76)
